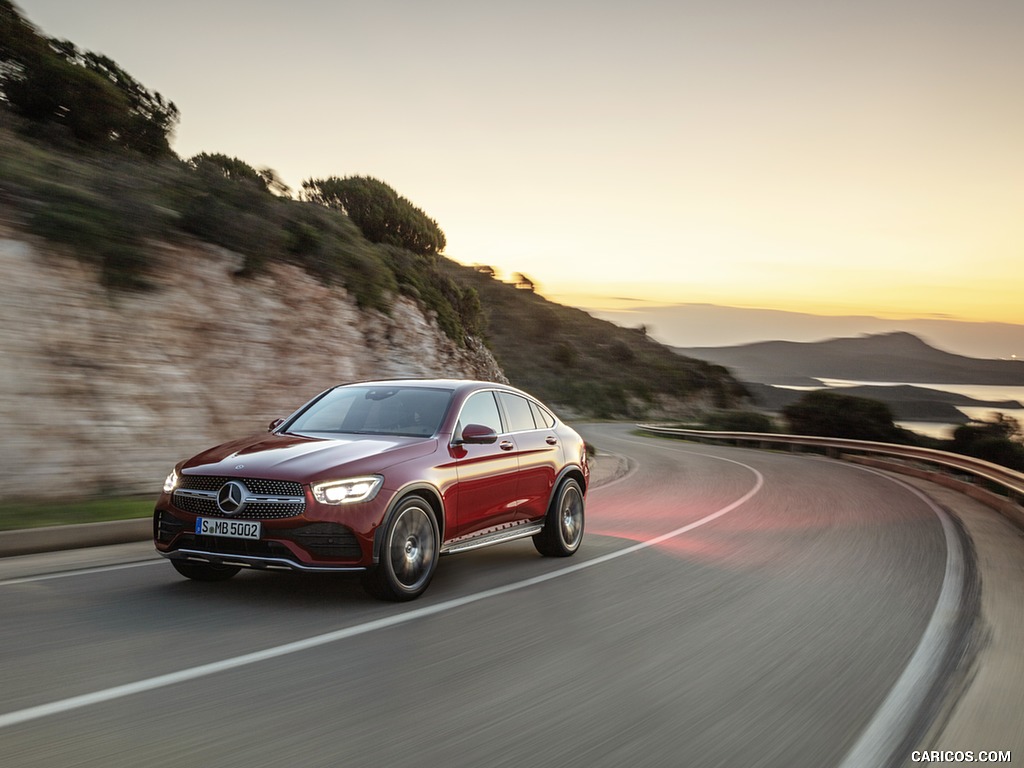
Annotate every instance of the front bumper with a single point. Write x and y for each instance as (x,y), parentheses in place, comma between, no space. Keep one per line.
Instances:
(315,541)
(251,561)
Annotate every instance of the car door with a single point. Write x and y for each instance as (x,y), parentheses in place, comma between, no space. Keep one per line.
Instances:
(486,491)
(537,450)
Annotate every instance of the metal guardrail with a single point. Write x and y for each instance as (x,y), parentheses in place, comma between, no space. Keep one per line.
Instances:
(1010,480)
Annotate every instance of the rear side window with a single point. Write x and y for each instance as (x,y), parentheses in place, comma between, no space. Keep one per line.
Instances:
(517,408)
(480,408)
(542,417)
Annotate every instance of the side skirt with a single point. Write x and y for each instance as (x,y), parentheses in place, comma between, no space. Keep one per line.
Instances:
(487,538)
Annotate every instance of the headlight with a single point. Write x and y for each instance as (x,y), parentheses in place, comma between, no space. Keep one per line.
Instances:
(347,491)
(171,482)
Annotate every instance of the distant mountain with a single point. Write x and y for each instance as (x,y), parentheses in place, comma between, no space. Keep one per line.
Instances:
(887,357)
(711,325)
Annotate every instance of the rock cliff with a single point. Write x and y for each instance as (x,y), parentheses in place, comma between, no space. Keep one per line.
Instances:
(101,392)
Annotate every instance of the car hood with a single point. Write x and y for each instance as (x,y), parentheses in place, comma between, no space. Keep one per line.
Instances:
(306,458)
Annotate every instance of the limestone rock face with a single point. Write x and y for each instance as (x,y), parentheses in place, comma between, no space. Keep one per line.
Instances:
(102,392)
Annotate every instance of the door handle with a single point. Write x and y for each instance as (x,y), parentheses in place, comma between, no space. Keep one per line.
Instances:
(551,440)
(505,445)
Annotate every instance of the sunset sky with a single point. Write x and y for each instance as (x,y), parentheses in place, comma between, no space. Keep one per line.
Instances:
(824,157)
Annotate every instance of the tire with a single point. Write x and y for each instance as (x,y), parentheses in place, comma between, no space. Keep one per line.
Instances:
(204,571)
(408,556)
(563,528)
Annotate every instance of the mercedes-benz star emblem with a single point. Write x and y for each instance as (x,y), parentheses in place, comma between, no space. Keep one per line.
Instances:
(231,497)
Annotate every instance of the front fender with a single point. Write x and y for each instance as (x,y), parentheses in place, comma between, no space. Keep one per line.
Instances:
(427,491)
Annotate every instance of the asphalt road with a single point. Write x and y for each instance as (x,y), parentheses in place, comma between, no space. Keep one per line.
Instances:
(728,608)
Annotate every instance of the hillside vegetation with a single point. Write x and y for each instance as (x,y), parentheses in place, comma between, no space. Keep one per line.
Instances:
(108,208)
(86,163)
(566,356)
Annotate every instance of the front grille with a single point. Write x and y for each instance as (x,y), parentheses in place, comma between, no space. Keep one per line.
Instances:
(288,497)
(256,485)
(256,510)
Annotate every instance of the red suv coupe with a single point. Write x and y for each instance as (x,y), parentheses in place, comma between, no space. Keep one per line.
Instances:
(381,477)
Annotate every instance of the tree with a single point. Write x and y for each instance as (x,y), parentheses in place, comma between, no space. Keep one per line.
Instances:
(51,80)
(231,168)
(998,441)
(274,183)
(18,38)
(825,413)
(1001,426)
(523,283)
(48,89)
(150,118)
(381,214)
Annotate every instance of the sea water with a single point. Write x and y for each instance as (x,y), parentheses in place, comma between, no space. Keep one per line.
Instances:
(945,431)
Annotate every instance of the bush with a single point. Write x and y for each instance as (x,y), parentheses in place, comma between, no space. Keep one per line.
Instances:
(739,421)
(825,413)
(381,214)
(997,441)
(999,450)
(98,232)
(565,355)
(233,212)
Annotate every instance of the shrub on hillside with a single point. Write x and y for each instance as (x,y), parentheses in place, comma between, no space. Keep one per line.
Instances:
(455,305)
(381,214)
(106,229)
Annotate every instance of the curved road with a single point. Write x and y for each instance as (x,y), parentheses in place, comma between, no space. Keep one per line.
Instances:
(728,608)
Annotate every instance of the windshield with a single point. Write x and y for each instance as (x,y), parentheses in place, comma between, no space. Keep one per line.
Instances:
(378,410)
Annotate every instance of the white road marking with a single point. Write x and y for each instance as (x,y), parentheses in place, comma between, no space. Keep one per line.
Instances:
(879,743)
(160,681)
(881,740)
(78,572)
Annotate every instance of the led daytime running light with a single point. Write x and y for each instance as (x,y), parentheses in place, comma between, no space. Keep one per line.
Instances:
(349,491)
(171,482)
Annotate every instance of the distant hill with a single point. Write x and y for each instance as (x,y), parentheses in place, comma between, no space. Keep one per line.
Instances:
(887,357)
(590,366)
(711,325)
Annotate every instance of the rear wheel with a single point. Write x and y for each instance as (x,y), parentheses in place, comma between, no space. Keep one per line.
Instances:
(204,571)
(408,554)
(563,528)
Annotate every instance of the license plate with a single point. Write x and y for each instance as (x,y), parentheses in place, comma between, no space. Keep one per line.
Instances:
(235,529)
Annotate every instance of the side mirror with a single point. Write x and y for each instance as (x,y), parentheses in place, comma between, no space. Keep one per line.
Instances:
(478,434)
(275,424)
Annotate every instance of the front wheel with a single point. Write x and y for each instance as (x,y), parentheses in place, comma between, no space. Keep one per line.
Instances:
(204,571)
(563,528)
(408,554)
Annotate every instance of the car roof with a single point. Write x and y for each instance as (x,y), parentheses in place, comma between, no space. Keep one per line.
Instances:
(457,385)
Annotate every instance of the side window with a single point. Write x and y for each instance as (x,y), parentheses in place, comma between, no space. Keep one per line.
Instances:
(480,409)
(542,417)
(517,409)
